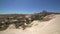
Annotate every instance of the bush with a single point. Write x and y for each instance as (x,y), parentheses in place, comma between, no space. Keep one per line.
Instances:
(1,25)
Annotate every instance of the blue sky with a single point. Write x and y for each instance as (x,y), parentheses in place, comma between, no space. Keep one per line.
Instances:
(28,6)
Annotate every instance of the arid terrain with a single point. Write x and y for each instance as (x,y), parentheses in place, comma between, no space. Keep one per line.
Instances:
(29,16)
(44,26)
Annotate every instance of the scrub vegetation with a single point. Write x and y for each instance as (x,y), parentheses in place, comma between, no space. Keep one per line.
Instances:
(20,20)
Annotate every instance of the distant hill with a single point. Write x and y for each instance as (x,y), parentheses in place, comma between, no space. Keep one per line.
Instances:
(23,20)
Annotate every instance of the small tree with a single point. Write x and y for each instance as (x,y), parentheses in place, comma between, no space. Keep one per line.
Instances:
(44,13)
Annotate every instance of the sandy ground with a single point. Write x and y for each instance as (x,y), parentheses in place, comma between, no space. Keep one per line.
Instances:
(46,27)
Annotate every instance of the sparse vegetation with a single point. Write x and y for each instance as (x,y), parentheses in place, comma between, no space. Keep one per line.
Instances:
(20,20)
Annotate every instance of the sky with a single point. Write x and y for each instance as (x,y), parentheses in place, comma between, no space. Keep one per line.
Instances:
(28,6)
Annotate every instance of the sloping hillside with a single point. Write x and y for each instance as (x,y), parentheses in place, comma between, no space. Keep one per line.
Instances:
(39,27)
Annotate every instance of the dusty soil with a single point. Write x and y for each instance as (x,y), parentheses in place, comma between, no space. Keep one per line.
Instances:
(46,27)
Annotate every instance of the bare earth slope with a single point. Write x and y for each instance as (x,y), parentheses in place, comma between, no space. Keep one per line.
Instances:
(46,27)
